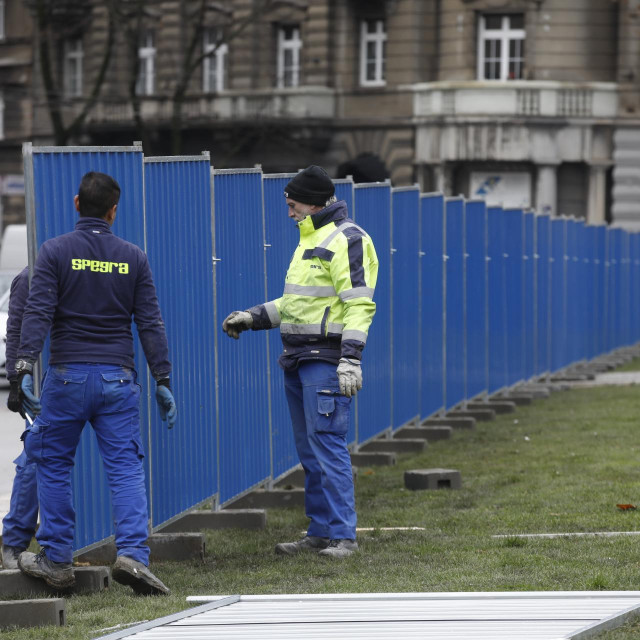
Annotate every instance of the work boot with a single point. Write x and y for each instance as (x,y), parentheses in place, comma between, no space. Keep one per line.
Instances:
(339,548)
(10,556)
(59,575)
(308,543)
(133,573)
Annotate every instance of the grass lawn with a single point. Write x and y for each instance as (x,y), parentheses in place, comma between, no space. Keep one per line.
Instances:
(559,465)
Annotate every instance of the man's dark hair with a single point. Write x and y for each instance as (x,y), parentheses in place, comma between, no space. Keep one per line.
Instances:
(97,193)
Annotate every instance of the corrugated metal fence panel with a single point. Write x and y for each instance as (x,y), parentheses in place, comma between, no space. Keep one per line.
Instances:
(476,301)
(497,301)
(57,173)
(558,294)
(514,278)
(543,289)
(405,202)
(529,296)
(615,237)
(372,210)
(243,389)
(281,238)
(625,304)
(582,275)
(344,191)
(589,235)
(573,298)
(600,302)
(179,246)
(455,300)
(432,308)
(634,296)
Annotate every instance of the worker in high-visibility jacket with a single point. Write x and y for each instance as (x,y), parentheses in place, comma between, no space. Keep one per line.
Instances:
(324,316)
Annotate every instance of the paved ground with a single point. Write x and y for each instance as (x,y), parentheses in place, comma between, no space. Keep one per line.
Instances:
(614,377)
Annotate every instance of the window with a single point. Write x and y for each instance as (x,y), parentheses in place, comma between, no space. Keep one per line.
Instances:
(72,71)
(289,46)
(147,60)
(214,66)
(501,47)
(2,11)
(373,58)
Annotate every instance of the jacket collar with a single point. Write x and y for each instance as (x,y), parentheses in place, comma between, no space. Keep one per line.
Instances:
(93,224)
(335,212)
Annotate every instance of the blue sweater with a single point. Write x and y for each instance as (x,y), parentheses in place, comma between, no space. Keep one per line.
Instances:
(86,286)
(17,301)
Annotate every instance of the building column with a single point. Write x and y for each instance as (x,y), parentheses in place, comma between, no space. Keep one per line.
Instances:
(597,194)
(547,189)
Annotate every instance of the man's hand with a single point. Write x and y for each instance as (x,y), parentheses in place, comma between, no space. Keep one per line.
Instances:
(349,376)
(29,403)
(166,402)
(237,322)
(13,401)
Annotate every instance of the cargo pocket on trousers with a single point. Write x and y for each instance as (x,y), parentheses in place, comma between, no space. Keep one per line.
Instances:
(117,387)
(136,439)
(66,388)
(333,413)
(33,439)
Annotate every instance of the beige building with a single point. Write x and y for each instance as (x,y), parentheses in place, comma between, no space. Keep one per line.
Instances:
(531,103)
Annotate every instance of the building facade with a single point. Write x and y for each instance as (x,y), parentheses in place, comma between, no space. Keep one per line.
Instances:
(532,103)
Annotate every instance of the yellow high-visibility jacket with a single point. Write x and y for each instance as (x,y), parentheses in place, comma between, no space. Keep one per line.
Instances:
(327,304)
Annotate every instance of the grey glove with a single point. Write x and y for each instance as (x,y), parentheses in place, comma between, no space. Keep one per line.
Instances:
(237,322)
(349,376)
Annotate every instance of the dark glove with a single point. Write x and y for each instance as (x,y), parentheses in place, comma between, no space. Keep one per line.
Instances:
(28,401)
(166,402)
(237,322)
(13,401)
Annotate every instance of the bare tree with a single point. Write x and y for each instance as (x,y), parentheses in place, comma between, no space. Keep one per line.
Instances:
(57,20)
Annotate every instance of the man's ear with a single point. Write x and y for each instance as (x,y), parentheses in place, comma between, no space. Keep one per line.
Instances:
(76,202)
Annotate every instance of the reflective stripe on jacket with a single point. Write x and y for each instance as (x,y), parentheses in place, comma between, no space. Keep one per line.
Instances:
(327,303)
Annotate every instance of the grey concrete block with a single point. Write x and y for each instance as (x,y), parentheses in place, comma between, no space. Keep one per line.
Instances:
(223,519)
(420,479)
(430,434)
(293,479)
(480,415)
(277,498)
(164,547)
(391,445)
(33,613)
(517,398)
(88,580)
(534,390)
(378,459)
(497,407)
(454,423)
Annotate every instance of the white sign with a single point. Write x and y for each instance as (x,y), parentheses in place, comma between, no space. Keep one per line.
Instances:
(12,185)
(506,188)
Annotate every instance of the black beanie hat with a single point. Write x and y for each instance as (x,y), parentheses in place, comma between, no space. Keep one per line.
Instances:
(311,186)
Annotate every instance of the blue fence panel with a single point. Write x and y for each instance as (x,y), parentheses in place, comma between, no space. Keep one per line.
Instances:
(590,290)
(183,459)
(514,279)
(600,288)
(529,294)
(281,239)
(405,206)
(634,294)
(625,280)
(476,297)
(497,374)
(52,176)
(558,294)
(432,308)
(372,211)
(244,458)
(582,271)
(455,367)
(344,191)
(615,323)
(543,290)
(573,297)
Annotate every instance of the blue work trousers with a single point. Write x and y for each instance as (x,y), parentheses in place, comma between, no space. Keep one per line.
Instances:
(320,417)
(106,396)
(19,525)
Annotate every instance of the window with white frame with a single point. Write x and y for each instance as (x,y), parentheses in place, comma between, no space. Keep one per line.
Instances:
(72,71)
(214,65)
(501,46)
(145,85)
(373,53)
(2,12)
(289,47)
